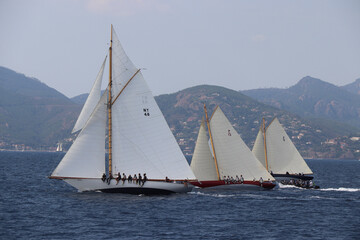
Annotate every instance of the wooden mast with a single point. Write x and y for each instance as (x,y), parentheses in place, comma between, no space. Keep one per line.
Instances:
(265,150)
(212,143)
(110,105)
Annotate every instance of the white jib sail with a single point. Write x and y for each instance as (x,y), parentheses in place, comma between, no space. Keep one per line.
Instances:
(281,152)
(233,155)
(202,163)
(91,101)
(86,156)
(259,149)
(142,140)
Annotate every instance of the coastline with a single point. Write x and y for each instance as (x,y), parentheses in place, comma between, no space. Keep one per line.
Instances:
(187,156)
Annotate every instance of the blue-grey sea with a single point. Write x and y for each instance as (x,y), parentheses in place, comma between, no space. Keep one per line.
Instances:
(35,207)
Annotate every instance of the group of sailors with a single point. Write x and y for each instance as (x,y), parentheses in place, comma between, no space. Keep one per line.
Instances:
(231,180)
(299,183)
(300,174)
(137,179)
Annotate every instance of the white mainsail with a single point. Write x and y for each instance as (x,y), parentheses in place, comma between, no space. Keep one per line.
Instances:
(91,101)
(233,155)
(138,133)
(202,163)
(142,140)
(282,155)
(86,156)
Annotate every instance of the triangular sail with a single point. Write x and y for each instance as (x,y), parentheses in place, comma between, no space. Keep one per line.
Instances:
(86,156)
(281,153)
(259,149)
(91,101)
(141,139)
(122,67)
(233,155)
(202,163)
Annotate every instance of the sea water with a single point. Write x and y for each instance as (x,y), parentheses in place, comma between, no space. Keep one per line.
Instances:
(35,207)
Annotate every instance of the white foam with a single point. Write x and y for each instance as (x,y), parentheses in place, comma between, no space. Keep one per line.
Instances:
(288,186)
(211,195)
(341,189)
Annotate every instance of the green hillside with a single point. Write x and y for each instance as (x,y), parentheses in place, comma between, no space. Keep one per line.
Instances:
(31,113)
(184,110)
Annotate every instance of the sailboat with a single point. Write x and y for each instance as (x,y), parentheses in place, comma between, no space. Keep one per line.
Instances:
(59,147)
(229,163)
(274,149)
(139,140)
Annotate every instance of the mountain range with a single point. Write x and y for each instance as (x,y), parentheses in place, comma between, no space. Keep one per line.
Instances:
(313,98)
(353,87)
(35,116)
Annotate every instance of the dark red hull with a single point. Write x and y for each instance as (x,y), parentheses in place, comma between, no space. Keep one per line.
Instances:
(223,184)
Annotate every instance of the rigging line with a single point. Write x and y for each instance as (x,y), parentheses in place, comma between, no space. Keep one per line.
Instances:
(211,140)
(265,148)
(125,85)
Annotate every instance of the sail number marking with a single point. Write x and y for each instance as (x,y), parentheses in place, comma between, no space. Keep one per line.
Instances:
(146,112)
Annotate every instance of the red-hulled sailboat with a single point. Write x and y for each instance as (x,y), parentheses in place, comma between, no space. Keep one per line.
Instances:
(228,163)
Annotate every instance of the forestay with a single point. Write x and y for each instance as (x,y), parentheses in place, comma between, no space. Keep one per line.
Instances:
(233,155)
(281,153)
(202,162)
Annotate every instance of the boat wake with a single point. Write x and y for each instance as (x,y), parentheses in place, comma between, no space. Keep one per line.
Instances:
(341,189)
(212,194)
(288,186)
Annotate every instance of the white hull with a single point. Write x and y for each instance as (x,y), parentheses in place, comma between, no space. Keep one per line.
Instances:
(150,187)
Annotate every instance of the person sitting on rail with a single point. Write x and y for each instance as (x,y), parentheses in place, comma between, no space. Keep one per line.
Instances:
(123,178)
(144,179)
(140,179)
(129,178)
(118,178)
(109,178)
(241,179)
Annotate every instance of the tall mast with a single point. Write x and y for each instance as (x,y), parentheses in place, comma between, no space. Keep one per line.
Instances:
(265,150)
(110,105)
(212,143)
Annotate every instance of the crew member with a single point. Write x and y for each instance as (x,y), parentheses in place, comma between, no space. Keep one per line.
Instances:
(103,178)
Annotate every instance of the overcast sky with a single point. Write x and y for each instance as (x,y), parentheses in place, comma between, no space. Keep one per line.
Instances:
(236,44)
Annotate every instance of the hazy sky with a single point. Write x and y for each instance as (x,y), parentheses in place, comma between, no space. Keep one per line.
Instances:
(236,44)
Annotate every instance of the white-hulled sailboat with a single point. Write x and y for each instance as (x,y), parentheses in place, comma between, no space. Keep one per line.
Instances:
(229,163)
(275,150)
(59,147)
(139,139)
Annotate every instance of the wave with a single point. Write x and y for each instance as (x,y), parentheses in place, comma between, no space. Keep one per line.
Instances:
(341,189)
(319,197)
